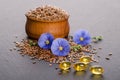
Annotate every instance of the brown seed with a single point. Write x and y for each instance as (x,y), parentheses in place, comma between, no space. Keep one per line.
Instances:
(10,49)
(96,61)
(50,64)
(32,58)
(14,42)
(16,36)
(56,68)
(107,58)
(94,49)
(14,48)
(110,54)
(94,52)
(34,62)
(100,48)
(23,54)
(60,73)
(98,56)
(95,41)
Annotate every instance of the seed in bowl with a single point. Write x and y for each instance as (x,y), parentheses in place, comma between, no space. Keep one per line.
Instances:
(48,13)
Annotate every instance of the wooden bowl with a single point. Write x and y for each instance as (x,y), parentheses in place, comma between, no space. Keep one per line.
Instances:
(34,28)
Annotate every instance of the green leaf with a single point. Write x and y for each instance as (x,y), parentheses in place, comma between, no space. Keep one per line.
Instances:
(97,38)
(75,49)
(32,43)
(100,38)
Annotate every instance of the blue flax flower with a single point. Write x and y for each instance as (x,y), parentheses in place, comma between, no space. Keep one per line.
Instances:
(60,47)
(82,37)
(45,40)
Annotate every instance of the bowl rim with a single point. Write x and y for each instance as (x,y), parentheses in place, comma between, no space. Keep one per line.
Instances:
(45,20)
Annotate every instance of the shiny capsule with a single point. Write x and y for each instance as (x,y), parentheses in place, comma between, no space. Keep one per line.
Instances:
(85,59)
(79,66)
(64,65)
(96,69)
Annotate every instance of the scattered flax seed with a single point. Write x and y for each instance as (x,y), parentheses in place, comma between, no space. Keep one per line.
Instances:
(94,49)
(35,52)
(14,42)
(91,55)
(93,52)
(16,36)
(14,48)
(110,54)
(60,73)
(50,65)
(96,61)
(10,49)
(32,58)
(100,48)
(56,68)
(84,49)
(98,56)
(18,50)
(94,41)
(34,62)
(107,58)
(23,55)
(17,42)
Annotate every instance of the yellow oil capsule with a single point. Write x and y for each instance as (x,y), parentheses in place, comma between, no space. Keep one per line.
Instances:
(80,66)
(85,59)
(96,69)
(64,65)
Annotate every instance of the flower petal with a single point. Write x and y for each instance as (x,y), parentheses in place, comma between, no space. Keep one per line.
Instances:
(82,34)
(42,40)
(59,42)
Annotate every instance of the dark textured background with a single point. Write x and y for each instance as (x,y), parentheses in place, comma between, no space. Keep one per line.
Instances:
(99,17)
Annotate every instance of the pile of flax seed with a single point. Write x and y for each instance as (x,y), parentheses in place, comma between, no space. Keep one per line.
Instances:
(48,13)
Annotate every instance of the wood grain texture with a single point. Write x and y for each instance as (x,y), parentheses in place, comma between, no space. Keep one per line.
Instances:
(59,29)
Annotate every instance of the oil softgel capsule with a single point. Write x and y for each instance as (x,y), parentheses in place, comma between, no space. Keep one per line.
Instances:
(96,69)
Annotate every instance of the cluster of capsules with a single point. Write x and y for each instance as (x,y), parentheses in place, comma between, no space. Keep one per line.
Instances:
(82,66)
